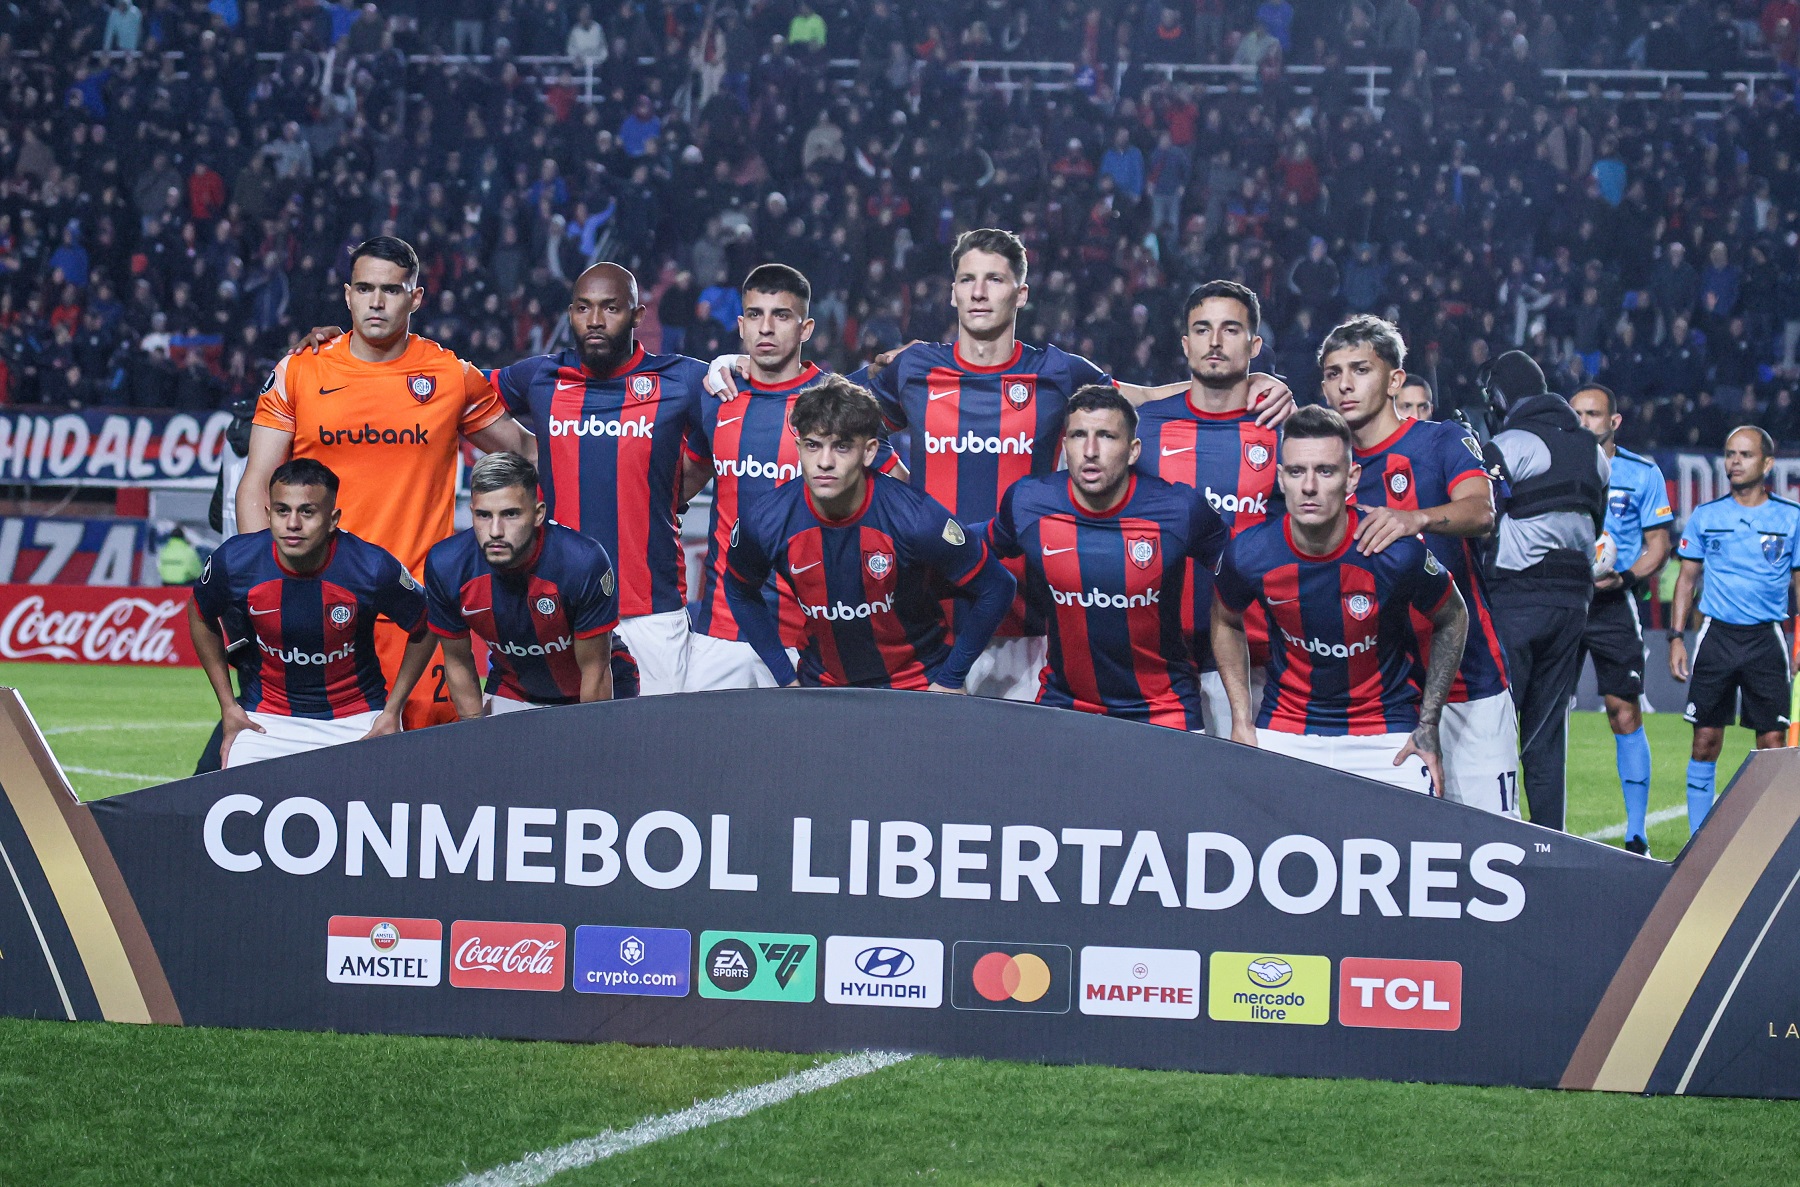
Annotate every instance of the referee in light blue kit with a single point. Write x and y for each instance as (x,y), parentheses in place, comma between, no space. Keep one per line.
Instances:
(1638,519)
(1740,551)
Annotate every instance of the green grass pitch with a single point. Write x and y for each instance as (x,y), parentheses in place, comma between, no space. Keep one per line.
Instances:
(101,1104)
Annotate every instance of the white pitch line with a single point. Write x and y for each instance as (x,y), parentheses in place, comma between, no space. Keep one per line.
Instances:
(537,1168)
(1614,832)
(137,775)
(128,725)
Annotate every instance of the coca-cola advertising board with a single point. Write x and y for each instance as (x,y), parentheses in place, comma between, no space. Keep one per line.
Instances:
(96,625)
(490,955)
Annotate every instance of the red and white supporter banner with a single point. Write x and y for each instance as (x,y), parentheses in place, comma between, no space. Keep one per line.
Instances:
(96,624)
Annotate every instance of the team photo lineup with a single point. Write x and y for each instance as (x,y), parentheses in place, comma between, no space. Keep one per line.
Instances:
(1328,575)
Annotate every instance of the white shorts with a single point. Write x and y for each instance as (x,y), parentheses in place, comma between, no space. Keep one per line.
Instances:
(1009,669)
(295,735)
(1217,706)
(659,643)
(494,705)
(726,663)
(1480,740)
(1370,756)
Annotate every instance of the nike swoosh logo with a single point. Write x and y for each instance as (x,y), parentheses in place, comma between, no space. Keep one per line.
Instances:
(938,395)
(276,610)
(1167,452)
(729,420)
(326,391)
(1282,601)
(474,609)
(803,568)
(1058,551)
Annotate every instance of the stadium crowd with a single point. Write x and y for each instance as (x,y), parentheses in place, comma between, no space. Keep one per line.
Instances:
(181,182)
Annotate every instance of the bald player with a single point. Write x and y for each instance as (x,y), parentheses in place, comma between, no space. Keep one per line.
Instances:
(383,408)
(623,450)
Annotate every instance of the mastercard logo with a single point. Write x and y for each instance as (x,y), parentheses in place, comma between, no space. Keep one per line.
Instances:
(1022,978)
(1004,975)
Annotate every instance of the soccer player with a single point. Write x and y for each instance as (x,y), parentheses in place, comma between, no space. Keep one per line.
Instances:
(1207,437)
(986,410)
(1739,550)
(865,556)
(1427,476)
(1413,402)
(383,408)
(1107,554)
(753,451)
(1638,519)
(1347,665)
(542,596)
(622,452)
(310,593)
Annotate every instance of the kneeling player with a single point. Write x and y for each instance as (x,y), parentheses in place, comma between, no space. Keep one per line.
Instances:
(867,557)
(310,594)
(1427,476)
(544,597)
(1106,558)
(1345,664)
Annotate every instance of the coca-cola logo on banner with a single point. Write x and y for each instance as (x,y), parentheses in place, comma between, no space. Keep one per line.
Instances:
(490,955)
(93,624)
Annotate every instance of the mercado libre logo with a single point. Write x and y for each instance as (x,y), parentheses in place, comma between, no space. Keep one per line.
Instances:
(1266,987)
(1026,978)
(758,966)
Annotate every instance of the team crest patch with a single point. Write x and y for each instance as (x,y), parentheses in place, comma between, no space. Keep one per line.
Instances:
(1774,546)
(1618,502)
(341,615)
(1141,550)
(546,606)
(421,387)
(880,565)
(1398,482)
(642,387)
(953,533)
(1431,564)
(1474,447)
(1018,391)
(1257,454)
(1360,606)
(607,584)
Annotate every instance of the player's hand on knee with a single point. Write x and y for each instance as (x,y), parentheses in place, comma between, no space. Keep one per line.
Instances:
(386,722)
(936,687)
(1424,744)
(316,337)
(722,374)
(1244,735)
(236,721)
(1271,399)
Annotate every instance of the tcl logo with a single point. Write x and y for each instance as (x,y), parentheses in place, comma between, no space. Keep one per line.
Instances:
(1400,994)
(489,955)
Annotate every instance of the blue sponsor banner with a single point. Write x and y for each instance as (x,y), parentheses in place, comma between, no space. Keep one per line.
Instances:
(111,447)
(639,961)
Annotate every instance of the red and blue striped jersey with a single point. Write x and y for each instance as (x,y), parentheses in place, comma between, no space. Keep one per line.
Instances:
(529,616)
(753,452)
(609,450)
(315,633)
(868,586)
(1418,467)
(1230,459)
(977,430)
(1345,658)
(1112,586)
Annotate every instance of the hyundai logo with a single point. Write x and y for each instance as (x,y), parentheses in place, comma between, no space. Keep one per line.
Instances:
(884,962)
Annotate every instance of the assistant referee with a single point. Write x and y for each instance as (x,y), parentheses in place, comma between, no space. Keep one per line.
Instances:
(1739,551)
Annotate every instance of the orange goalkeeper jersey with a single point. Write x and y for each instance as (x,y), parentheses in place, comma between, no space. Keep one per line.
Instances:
(388,430)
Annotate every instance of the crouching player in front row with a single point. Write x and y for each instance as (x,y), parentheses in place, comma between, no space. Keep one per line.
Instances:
(1346,665)
(542,596)
(310,595)
(868,558)
(1106,559)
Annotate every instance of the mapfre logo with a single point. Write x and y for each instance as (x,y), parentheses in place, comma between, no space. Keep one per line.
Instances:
(125,630)
(1400,994)
(490,955)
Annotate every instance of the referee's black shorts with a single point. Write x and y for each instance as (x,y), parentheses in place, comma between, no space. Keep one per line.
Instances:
(1615,640)
(1728,659)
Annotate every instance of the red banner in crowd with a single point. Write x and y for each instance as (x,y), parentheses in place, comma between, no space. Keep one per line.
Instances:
(96,624)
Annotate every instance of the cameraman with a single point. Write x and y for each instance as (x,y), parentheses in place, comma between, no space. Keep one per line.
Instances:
(1543,566)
